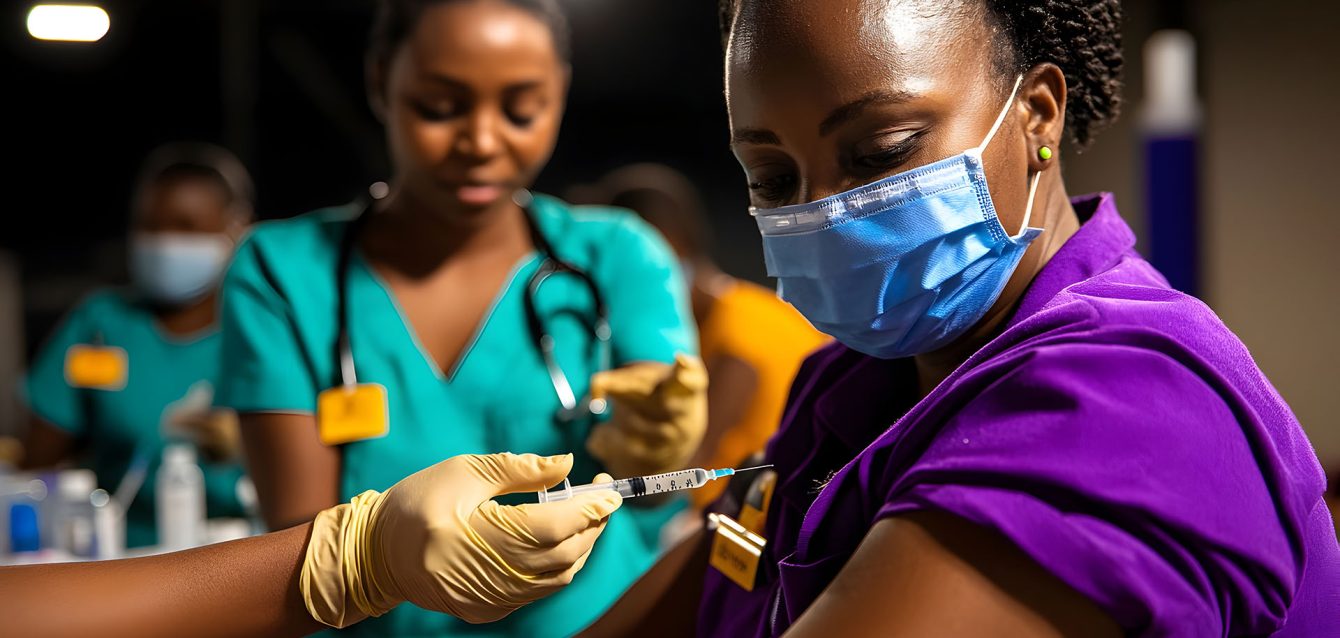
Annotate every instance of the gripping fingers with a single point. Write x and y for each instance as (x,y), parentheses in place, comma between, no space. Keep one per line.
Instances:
(638,379)
(560,579)
(552,523)
(561,557)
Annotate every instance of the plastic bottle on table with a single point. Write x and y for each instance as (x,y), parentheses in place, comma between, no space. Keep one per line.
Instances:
(180,499)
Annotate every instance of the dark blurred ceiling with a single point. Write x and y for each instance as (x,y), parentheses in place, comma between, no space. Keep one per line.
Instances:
(280,82)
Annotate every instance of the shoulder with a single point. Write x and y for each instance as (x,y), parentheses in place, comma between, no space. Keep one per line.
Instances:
(106,306)
(1126,309)
(116,300)
(311,235)
(299,251)
(597,229)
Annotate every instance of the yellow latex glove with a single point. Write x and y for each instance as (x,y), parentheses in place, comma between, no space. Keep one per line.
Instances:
(216,433)
(436,540)
(658,416)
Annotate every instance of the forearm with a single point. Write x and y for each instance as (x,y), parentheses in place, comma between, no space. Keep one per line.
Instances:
(241,588)
(296,476)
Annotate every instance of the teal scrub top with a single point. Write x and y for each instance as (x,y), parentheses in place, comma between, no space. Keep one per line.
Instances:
(115,425)
(279,330)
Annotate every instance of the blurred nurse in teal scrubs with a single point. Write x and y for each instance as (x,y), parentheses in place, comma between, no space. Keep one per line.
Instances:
(130,368)
(460,314)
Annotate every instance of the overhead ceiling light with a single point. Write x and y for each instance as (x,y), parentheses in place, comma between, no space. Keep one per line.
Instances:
(68,22)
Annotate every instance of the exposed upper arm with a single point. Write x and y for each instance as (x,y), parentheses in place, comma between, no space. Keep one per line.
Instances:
(296,475)
(929,573)
(644,290)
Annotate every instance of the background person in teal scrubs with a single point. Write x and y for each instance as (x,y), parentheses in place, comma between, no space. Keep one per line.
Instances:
(192,205)
(471,93)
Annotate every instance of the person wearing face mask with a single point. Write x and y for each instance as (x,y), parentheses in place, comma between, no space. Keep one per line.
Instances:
(130,369)
(453,312)
(1022,430)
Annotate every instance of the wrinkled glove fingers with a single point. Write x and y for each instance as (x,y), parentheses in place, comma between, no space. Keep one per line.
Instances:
(560,579)
(560,557)
(541,525)
(631,385)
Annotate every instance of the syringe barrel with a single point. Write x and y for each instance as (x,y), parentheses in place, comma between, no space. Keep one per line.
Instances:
(623,487)
(635,486)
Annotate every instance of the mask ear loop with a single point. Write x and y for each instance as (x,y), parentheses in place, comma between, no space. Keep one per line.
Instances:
(1028,210)
(1033,183)
(1000,119)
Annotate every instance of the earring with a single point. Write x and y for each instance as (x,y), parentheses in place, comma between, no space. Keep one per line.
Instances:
(1044,153)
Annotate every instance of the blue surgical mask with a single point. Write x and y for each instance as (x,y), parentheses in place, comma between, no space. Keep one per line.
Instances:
(901,266)
(176,268)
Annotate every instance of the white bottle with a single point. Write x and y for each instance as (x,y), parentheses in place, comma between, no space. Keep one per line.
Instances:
(109,526)
(180,499)
(74,527)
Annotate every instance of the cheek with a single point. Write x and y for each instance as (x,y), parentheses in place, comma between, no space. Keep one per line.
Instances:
(1007,177)
(416,142)
(530,147)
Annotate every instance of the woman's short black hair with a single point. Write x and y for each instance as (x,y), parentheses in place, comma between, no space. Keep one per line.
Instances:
(1082,37)
(179,161)
(395,20)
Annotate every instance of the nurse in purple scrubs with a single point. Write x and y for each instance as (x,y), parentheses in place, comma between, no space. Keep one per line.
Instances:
(1022,430)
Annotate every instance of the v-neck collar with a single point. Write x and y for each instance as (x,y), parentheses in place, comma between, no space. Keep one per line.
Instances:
(546,218)
(447,376)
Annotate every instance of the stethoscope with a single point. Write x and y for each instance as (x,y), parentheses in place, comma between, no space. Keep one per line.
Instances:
(550,265)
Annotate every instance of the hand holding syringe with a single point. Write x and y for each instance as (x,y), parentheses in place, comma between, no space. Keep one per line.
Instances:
(635,486)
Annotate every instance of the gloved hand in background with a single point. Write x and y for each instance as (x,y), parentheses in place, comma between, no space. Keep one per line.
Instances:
(436,539)
(215,431)
(657,419)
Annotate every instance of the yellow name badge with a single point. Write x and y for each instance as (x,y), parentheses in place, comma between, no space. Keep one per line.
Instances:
(96,367)
(738,545)
(736,551)
(345,414)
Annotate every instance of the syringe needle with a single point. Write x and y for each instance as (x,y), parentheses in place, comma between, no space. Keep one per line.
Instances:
(756,467)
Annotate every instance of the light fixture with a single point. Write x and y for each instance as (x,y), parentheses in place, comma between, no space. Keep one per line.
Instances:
(68,22)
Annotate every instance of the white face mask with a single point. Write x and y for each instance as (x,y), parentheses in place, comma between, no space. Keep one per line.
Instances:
(176,268)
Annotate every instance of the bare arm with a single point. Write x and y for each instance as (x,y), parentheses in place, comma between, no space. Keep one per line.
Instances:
(664,602)
(46,445)
(241,588)
(295,474)
(934,574)
(732,387)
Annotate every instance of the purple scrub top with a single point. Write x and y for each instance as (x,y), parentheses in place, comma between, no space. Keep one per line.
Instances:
(1116,431)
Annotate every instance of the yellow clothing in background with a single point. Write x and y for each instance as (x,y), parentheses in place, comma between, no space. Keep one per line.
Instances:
(750,323)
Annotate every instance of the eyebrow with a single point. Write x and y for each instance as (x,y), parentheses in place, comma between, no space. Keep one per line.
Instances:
(447,80)
(849,111)
(837,117)
(754,136)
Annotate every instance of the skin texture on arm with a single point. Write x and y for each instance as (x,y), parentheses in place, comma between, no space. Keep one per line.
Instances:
(241,588)
(664,602)
(932,573)
(728,396)
(46,445)
(296,475)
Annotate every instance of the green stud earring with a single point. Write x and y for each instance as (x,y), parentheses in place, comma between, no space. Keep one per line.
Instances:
(1045,153)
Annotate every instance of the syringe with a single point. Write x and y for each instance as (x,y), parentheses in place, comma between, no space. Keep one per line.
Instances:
(633,487)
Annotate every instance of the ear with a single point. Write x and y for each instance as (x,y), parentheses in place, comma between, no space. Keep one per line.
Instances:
(564,83)
(1044,92)
(240,222)
(374,79)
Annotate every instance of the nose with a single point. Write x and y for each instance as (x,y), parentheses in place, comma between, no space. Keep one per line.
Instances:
(480,138)
(817,180)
